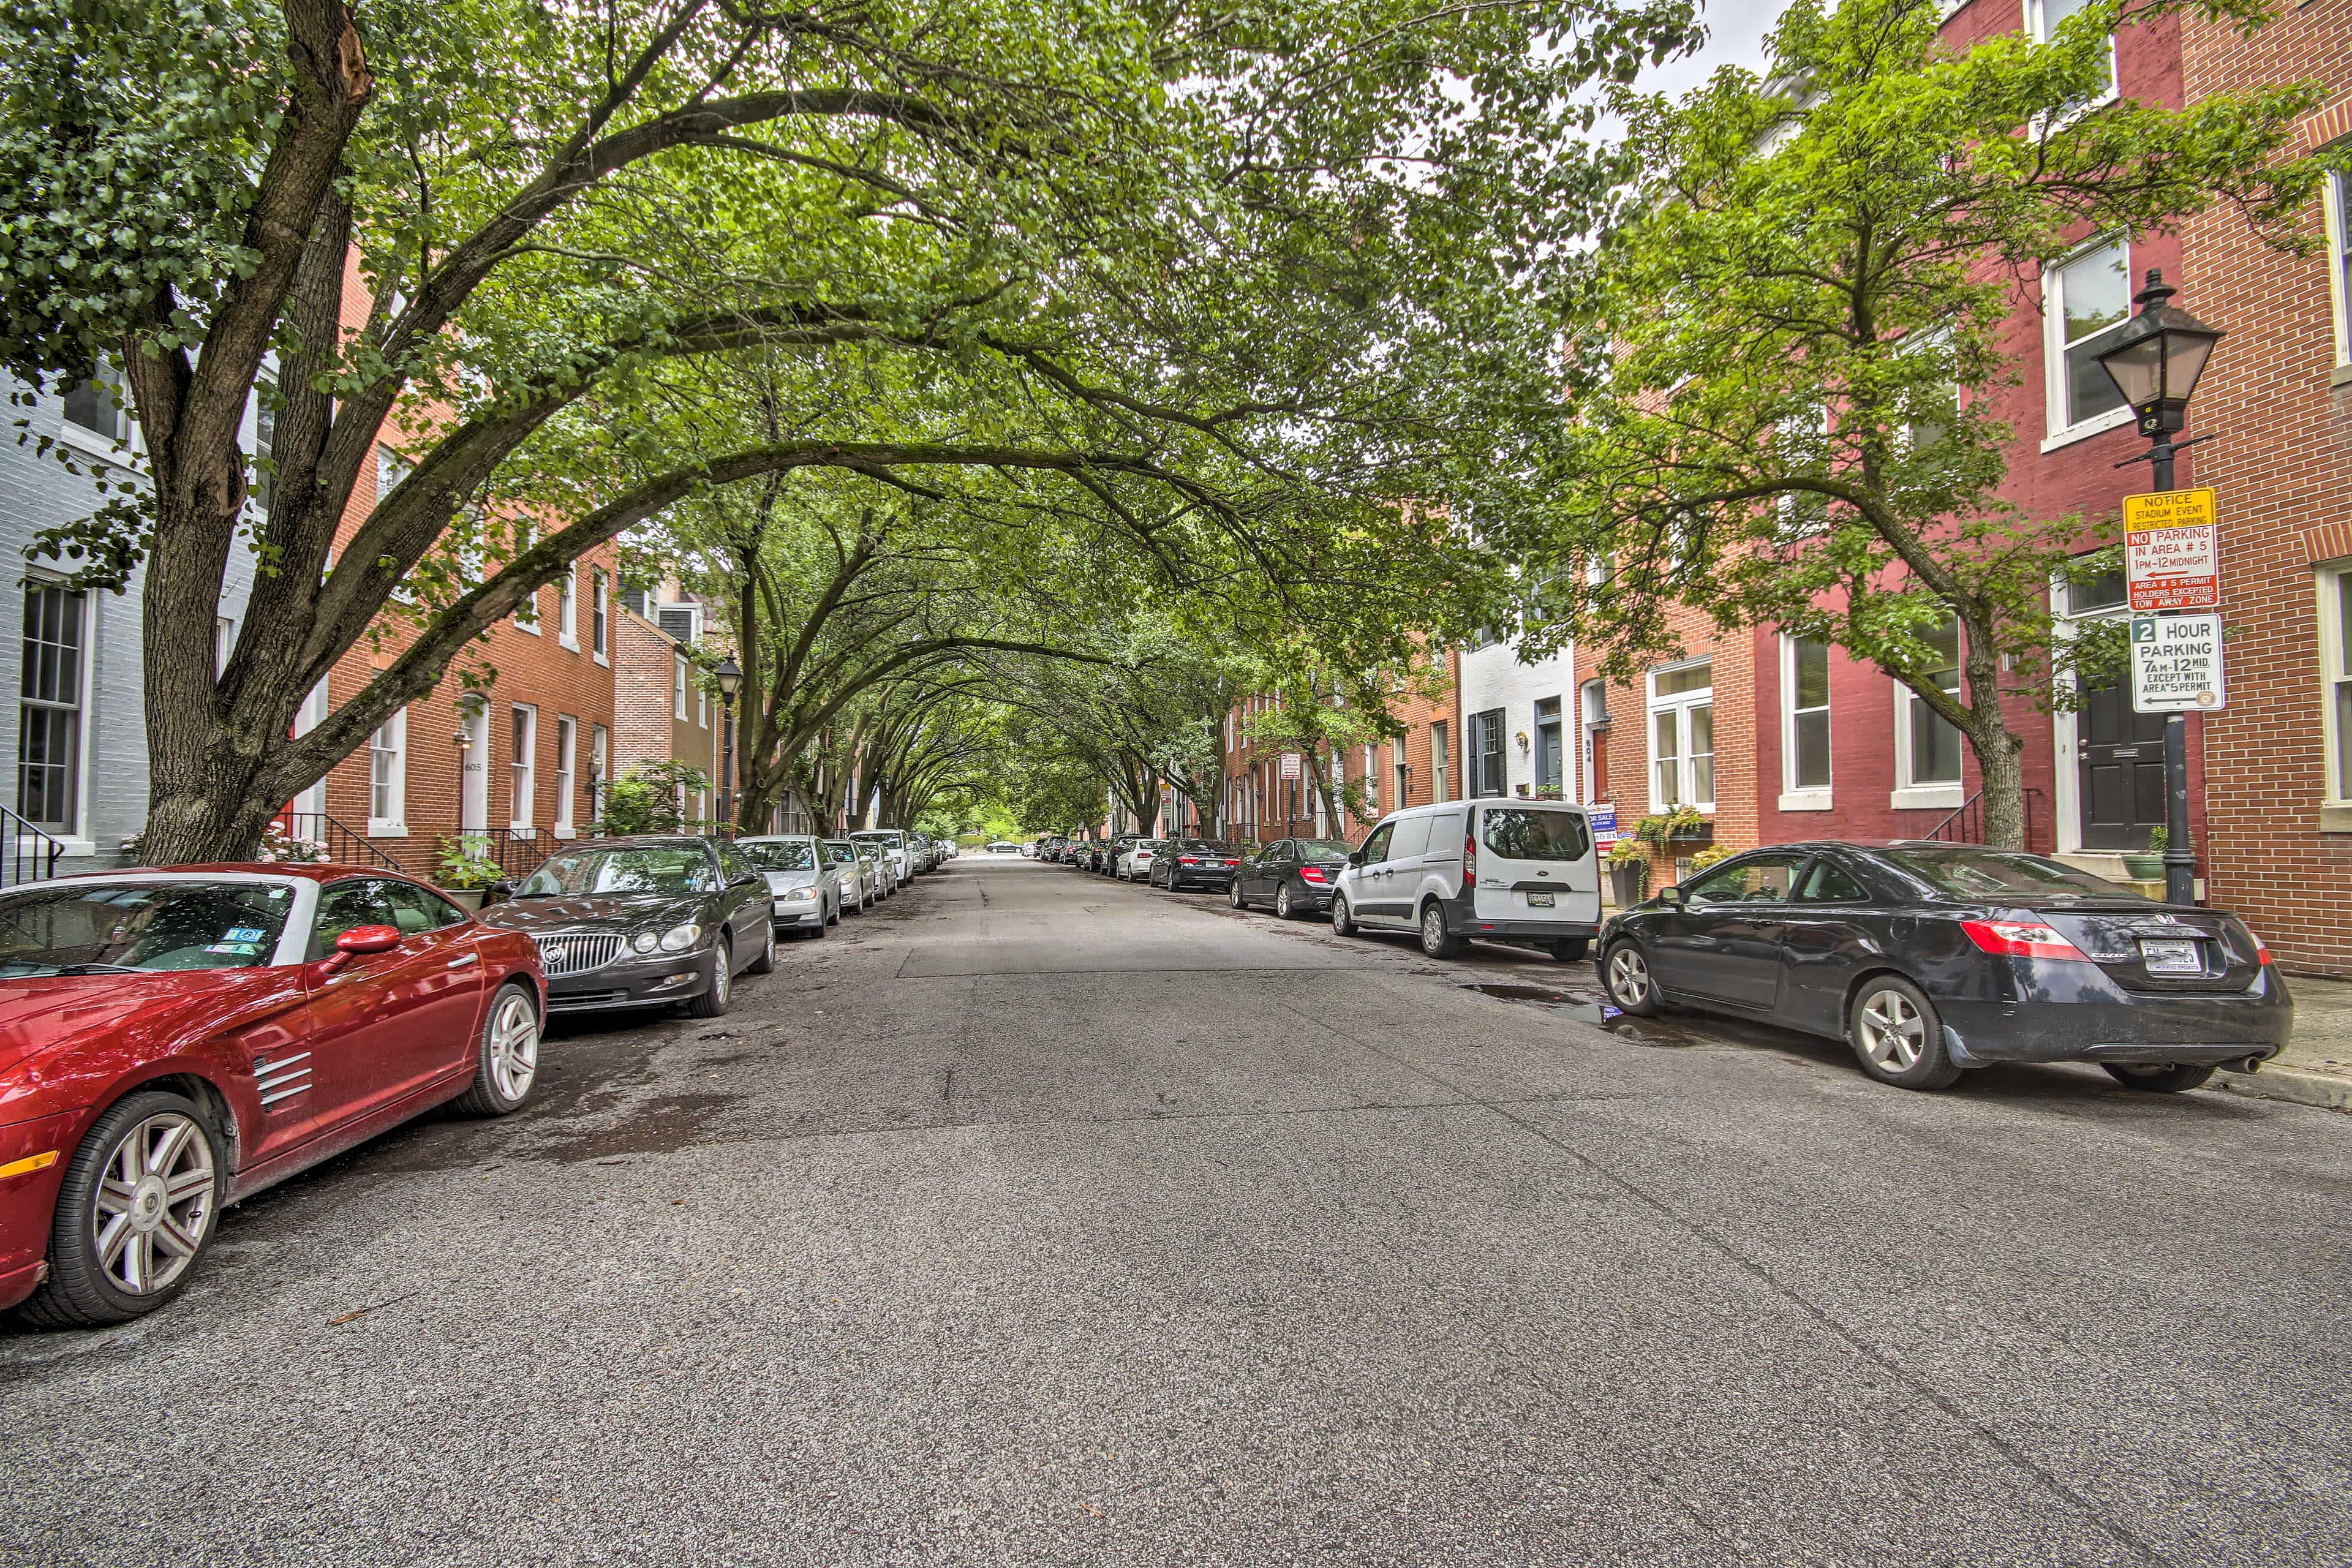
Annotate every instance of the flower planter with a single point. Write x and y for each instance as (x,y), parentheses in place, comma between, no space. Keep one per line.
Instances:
(1629,882)
(2144,868)
(464,897)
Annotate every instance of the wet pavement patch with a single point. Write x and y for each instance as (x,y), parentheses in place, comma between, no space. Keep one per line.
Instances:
(1589,1010)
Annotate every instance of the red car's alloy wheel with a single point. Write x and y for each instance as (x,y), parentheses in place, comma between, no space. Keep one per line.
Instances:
(134,1213)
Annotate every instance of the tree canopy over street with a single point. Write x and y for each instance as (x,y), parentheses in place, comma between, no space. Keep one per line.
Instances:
(1206,291)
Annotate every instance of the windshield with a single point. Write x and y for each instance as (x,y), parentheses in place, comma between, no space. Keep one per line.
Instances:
(683,869)
(101,927)
(890,837)
(1324,849)
(791,854)
(1206,846)
(1518,833)
(839,854)
(1971,873)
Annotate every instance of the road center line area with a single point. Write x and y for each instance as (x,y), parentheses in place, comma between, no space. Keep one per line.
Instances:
(1035,1218)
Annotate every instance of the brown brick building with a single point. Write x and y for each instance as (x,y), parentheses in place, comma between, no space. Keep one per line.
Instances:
(663,709)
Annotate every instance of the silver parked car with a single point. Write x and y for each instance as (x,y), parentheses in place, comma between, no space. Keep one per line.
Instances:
(806,892)
(877,860)
(861,883)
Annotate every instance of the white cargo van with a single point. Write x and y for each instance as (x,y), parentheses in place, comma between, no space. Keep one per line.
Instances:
(1517,871)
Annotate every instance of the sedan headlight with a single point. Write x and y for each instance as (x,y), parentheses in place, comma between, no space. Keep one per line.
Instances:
(646,941)
(678,938)
(797,895)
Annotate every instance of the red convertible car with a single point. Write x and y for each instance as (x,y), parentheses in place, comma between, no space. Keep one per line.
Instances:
(173,1041)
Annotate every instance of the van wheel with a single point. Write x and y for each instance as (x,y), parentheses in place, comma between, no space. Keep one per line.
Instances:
(1897,1036)
(1570,949)
(1343,920)
(2169,1079)
(1435,939)
(1625,970)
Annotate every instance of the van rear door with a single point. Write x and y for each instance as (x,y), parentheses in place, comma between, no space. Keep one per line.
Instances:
(1536,863)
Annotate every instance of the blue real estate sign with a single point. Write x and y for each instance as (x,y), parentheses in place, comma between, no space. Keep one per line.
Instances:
(1604,823)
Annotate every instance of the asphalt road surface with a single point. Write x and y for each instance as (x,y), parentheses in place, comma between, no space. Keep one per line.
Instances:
(1034,1218)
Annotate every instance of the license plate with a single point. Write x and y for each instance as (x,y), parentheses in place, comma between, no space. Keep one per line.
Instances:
(2170,957)
(1538,901)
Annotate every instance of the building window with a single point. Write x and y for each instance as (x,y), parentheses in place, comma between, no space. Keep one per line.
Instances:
(1440,764)
(1548,757)
(391,468)
(2092,595)
(1927,747)
(224,644)
(678,686)
(2088,298)
(1805,722)
(49,715)
(2336,199)
(567,609)
(526,748)
(388,775)
(1682,736)
(600,614)
(701,708)
(265,439)
(2046,14)
(1487,754)
(96,404)
(2336,666)
(567,737)
(1403,785)
(599,759)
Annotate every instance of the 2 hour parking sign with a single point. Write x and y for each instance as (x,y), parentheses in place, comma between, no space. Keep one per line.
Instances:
(2177,664)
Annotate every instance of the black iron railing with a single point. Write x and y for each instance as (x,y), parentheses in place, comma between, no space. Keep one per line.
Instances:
(29,855)
(345,844)
(1966,825)
(517,850)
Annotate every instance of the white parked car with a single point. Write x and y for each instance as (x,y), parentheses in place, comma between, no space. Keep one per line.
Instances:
(805,888)
(861,878)
(1516,871)
(1135,861)
(894,849)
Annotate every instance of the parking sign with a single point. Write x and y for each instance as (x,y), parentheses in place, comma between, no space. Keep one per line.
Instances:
(2177,664)
(2172,551)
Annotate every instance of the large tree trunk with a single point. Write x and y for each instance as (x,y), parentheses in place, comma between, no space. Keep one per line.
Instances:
(1998,750)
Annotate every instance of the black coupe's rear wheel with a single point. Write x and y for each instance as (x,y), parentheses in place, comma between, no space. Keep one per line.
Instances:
(2164,1078)
(1897,1036)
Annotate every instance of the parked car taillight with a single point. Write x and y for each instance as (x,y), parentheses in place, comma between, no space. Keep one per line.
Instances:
(1469,860)
(1186,861)
(2021,939)
(1313,874)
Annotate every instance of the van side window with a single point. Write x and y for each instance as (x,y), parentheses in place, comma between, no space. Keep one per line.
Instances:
(1376,847)
(1521,833)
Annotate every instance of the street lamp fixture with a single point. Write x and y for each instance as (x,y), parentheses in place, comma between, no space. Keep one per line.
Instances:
(730,680)
(2155,363)
(729,676)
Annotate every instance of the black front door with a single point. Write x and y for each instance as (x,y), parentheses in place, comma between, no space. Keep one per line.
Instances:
(2120,769)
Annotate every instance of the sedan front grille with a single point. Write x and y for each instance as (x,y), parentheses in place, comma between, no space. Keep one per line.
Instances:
(565,952)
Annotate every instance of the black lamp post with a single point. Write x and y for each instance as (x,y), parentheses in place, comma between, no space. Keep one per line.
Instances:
(2155,363)
(729,676)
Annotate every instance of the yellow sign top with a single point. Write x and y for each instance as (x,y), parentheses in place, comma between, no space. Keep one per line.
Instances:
(2170,509)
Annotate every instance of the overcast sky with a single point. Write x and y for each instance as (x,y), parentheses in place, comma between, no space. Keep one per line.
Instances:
(1735,30)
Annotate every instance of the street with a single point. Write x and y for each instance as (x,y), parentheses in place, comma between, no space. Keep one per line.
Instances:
(1031,1217)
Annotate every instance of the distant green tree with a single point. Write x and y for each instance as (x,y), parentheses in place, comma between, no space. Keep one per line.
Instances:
(647,799)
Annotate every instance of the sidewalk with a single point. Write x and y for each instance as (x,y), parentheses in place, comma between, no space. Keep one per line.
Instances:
(2315,1069)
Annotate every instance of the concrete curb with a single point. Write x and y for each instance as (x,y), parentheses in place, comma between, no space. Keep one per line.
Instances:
(2293,1085)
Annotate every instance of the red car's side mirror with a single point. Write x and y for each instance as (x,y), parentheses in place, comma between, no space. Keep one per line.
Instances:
(360,940)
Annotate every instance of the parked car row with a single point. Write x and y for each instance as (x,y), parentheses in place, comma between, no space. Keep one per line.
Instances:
(173,1042)
(1927,958)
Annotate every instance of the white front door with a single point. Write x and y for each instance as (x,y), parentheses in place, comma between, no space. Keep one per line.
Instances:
(473,789)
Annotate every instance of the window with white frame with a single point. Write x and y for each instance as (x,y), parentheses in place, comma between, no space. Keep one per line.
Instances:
(1927,746)
(701,708)
(600,615)
(2086,299)
(1682,736)
(526,616)
(49,708)
(678,686)
(388,777)
(2044,16)
(1804,724)
(265,439)
(600,762)
(2336,201)
(98,405)
(567,609)
(2335,674)
(391,468)
(526,751)
(567,738)
(224,644)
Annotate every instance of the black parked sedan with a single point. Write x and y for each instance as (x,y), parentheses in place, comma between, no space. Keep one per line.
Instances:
(1293,875)
(1195,863)
(642,923)
(1932,958)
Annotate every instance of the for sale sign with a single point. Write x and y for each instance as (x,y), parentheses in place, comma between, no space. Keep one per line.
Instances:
(1603,819)
(2177,664)
(2172,551)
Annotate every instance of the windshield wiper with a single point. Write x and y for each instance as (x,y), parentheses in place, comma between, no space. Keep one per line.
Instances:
(101,969)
